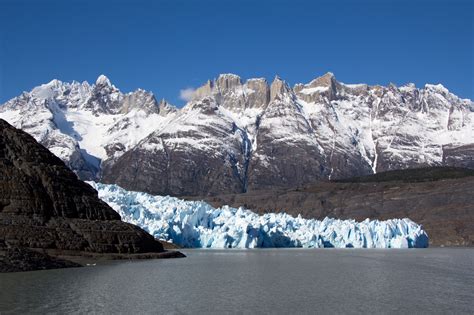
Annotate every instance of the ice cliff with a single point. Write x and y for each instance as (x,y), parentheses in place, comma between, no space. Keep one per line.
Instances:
(199,225)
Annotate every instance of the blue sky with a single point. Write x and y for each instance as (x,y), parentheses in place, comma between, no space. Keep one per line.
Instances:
(166,46)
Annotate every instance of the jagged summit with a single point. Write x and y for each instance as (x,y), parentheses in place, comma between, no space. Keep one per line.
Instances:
(101,98)
(102,80)
(86,124)
(238,135)
(327,80)
(229,77)
(164,102)
(277,78)
(47,90)
(54,82)
(437,87)
(231,92)
(279,88)
(275,136)
(166,108)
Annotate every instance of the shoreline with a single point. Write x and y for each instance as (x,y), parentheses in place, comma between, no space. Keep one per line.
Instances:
(21,259)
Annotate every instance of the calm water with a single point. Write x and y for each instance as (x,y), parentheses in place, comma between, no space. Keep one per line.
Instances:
(255,281)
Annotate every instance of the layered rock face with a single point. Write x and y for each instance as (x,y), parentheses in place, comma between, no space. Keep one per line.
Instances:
(236,136)
(44,205)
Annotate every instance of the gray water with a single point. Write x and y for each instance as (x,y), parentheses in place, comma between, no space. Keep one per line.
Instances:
(283,281)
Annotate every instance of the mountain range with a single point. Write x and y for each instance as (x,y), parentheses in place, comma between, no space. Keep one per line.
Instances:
(238,136)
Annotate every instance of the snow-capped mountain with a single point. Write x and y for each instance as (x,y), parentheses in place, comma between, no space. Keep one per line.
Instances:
(85,125)
(197,224)
(238,136)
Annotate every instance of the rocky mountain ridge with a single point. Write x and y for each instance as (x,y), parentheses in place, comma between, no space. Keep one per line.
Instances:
(85,124)
(236,136)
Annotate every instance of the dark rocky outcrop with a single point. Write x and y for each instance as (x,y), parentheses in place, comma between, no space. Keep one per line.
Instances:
(440,199)
(44,205)
(23,259)
(460,156)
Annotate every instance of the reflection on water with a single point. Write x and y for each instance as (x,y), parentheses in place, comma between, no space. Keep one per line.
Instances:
(261,280)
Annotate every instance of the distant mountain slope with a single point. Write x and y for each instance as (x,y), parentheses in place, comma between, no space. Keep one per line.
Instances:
(413,175)
(236,136)
(440,199)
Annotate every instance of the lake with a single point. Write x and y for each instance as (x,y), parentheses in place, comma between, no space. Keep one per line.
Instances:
(434,280)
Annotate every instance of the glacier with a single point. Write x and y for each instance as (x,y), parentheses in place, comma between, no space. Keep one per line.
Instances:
(196,224)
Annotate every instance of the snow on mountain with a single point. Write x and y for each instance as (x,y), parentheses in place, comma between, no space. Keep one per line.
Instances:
(201,141)
(197,224)
(254,135)
(84,124)
(236,136)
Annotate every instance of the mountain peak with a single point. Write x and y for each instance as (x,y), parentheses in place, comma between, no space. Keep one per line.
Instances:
(329,74)
(47,90)
(327,80)
(165,107)
(277,78)
(54,82)
(278,87)
(228,81)
(228,76)
(163,102)
(103,80)
(437,87)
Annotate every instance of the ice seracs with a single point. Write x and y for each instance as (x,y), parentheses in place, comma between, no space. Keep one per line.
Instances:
(197,224)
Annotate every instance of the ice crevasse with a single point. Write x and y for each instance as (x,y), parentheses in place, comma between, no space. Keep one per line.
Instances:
(196,224)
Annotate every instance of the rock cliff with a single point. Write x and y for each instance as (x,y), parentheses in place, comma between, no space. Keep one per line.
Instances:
(44,206)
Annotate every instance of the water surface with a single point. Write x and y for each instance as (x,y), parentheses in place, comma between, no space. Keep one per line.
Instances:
(255,281)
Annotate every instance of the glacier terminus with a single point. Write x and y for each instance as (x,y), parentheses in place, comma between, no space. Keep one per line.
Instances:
(196,224)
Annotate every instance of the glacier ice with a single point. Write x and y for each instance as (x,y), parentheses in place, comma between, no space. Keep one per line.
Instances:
(199,225)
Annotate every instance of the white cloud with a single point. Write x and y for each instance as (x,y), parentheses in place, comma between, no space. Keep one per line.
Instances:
(187,94)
